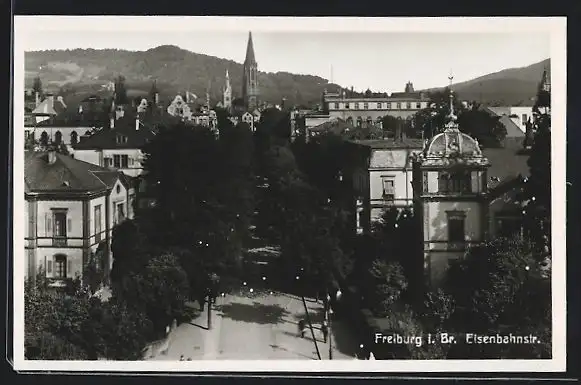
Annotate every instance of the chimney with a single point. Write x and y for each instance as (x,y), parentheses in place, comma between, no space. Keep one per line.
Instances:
(51,155)
(137,123)
(36,99)
(112,122)
(51,100)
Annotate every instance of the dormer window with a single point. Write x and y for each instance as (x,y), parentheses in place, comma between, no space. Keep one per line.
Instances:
(121,139)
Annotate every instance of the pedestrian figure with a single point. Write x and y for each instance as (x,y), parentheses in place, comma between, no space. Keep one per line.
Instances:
(325,330)
(189,358)
(302,327)
(182,357)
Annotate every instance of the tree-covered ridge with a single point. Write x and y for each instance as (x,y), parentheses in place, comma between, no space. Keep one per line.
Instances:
(175,69)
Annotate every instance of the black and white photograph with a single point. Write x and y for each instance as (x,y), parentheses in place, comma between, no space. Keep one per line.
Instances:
(259,194)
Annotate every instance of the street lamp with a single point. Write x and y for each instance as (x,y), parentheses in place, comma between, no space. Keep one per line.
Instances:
(329,316)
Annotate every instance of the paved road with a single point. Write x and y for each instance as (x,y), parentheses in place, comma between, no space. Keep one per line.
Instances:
(256,327)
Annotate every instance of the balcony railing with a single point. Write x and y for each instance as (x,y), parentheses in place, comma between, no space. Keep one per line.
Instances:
(59,241)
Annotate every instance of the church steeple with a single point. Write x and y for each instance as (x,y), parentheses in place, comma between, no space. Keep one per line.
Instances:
(250,51)
(250,77)
(227,93)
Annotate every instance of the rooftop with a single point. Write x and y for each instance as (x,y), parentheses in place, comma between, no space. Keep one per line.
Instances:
(108,138)
(505,164)
(391,143)
(66,174)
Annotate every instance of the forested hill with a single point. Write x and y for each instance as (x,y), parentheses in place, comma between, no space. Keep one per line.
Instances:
(174,69)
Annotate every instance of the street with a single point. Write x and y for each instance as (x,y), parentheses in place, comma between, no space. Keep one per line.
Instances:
(257,327)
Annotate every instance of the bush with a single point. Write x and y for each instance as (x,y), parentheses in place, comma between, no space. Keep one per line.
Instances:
(384,284)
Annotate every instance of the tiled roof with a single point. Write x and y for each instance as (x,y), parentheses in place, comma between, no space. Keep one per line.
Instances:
(391,143)
(66,174)
(50,106)
(512,130)
(107,138)
(337,126)
(505,164)
(399,157)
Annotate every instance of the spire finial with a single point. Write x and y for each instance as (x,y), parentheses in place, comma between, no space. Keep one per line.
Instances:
(451,78)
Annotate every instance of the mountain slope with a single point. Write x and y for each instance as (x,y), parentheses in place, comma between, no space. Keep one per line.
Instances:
(175,69)
(512,86)
(79,72)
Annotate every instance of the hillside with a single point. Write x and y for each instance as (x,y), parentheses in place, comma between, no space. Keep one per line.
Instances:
(79,72)
(175,69)
(513,86)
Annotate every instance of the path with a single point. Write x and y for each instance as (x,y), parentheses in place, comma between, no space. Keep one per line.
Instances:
(256,328)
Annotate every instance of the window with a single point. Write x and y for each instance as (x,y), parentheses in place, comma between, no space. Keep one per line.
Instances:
(398,106)
(456,230)
(379,106)
(60,266)
(74,138)
(388,106)
(356,106)
(121,139)
(97,220)
(120,212)
(365,106)
(418,105)
(524,118)
(336,106)
(117,161)
(108,162)
(458,182)
(408,105)
(60,224)
(58,138)
(49,267)
(388,189)
(347,106)
(124,161)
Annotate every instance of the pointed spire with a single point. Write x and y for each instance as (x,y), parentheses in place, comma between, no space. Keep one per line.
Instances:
(250,51)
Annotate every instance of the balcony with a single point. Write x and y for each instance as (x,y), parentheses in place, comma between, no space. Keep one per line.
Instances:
(59,241)
(57,282)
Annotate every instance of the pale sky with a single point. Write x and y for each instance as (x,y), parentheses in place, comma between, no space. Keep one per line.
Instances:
(379,60)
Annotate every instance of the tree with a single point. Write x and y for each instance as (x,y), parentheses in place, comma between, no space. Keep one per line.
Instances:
(437,310)
(473,121)
(500,287)
(196,204)
(537,194)
(131,248)
(166,289)
(482,126)
(383,285)
(93,273)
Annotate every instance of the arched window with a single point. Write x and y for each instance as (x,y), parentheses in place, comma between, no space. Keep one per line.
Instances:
(359,121)
(350,120)
(74,138)
(44,138)
(58,137)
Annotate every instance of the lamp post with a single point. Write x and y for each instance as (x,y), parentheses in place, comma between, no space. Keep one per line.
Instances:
(329,316)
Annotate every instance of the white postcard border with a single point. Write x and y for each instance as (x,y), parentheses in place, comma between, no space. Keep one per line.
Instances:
(26,26)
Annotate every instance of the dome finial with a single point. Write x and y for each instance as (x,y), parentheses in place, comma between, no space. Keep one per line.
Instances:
(452,117)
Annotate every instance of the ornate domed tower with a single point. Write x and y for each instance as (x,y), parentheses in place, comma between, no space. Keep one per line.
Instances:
(450,191)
